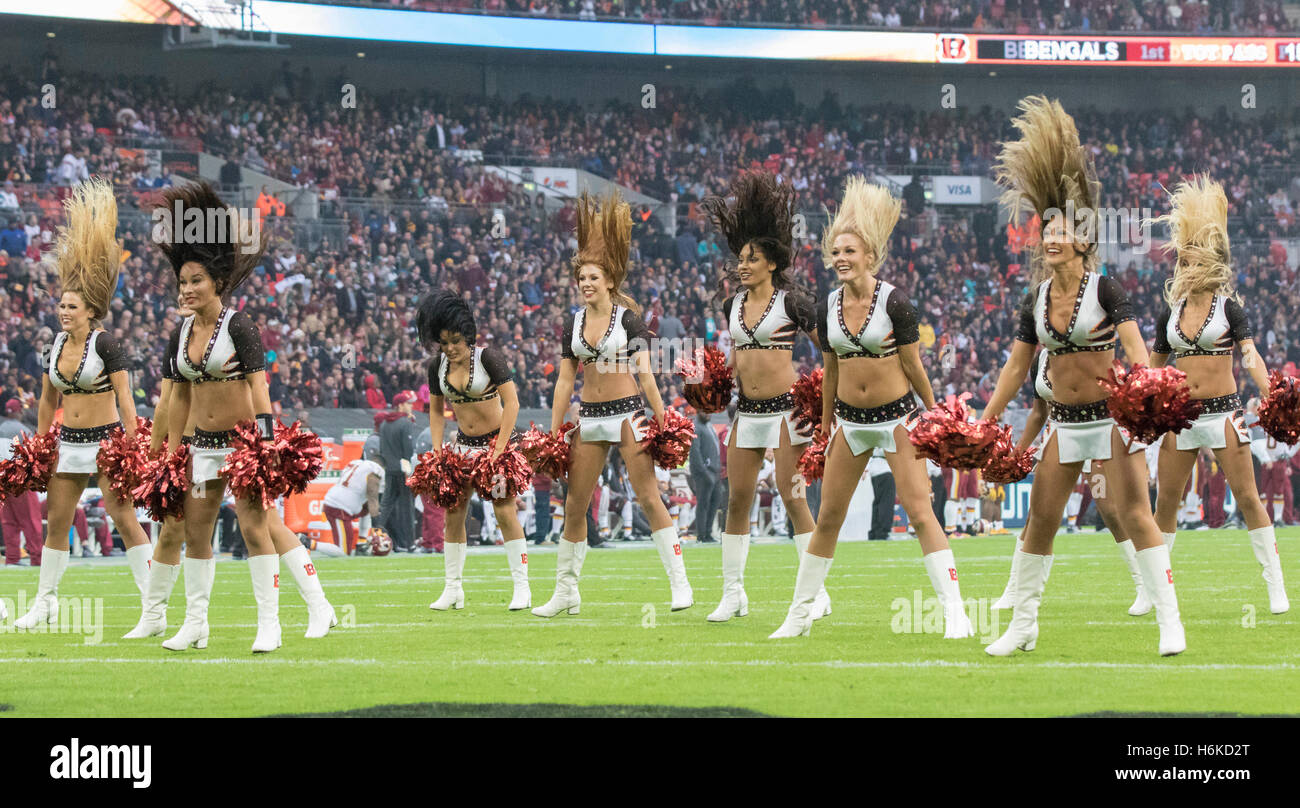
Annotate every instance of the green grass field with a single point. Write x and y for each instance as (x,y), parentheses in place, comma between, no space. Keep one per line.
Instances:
(627,654)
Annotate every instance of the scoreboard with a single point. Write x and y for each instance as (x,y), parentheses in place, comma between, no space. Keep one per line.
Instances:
(1125,50)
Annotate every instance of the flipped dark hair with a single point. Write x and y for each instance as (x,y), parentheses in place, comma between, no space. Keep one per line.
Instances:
(444,311)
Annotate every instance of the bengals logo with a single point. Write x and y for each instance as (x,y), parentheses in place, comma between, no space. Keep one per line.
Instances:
(953,48)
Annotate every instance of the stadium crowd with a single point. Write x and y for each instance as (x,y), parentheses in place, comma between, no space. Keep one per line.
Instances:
(414,210)
(1015,16)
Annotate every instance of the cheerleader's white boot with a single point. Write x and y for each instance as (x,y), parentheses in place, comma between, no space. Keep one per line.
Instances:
(320,614)
(45,607)
(157,591)
(199,575)
(1008,599)
(821,603)
(265,571)
(1142,604)
(1264,542)
(811,576)
(1022,633)
(735,603)
(568,568)
(1159,580)
(517,554)
(453,590)
(670,553)
(942,569)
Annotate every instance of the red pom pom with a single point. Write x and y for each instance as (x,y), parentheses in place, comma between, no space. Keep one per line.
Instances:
(253,469)
(442,476)
(547,453)
(669,447)
(807,394)
(947,436)
(812,463)
(503,478)
(164,485)
(33,461)
(301,457)
(1148,402)
(709,382)
(122,460)
(1279,413)
(1006,463)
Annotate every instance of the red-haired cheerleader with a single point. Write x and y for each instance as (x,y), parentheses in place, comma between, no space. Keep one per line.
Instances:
(764,318)
(869,341)
(608,341)
(478,384)
(1078,316)
(1198,329)
(87,370)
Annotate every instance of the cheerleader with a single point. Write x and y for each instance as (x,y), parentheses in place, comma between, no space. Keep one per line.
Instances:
(218,374)
(478,385)
(609,341)
(1092,469)
(873,370)
(757,227)
(1078,316)
(87,368)
(165,565)
(1199,327)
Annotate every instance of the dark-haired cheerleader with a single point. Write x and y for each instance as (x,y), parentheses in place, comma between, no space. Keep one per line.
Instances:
(608,340)
(219,373)
(1202,303)
(476,382)
(88,371)
(167,550)
(757,225)
(1078,316)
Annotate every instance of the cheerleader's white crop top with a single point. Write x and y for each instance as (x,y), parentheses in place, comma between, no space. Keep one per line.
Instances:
(100,357)
(1099,307)
(616,346)
(1224,326)
(891,322)
(488,371)
(786,314)
(234,351)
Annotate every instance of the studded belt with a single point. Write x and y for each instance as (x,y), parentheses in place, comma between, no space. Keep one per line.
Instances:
(765,406)
(212,440)
(892,411)
(94,434)
(479,441)
(605,409)
(1078,413)
(1221,404)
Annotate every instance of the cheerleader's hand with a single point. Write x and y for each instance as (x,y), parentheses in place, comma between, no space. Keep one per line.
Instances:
(405,466)
(499,445)
(659,419)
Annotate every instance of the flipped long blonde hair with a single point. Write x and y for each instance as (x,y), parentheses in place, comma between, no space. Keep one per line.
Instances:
(1198,237)
(867,211)
(86,252)
(1048,169)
